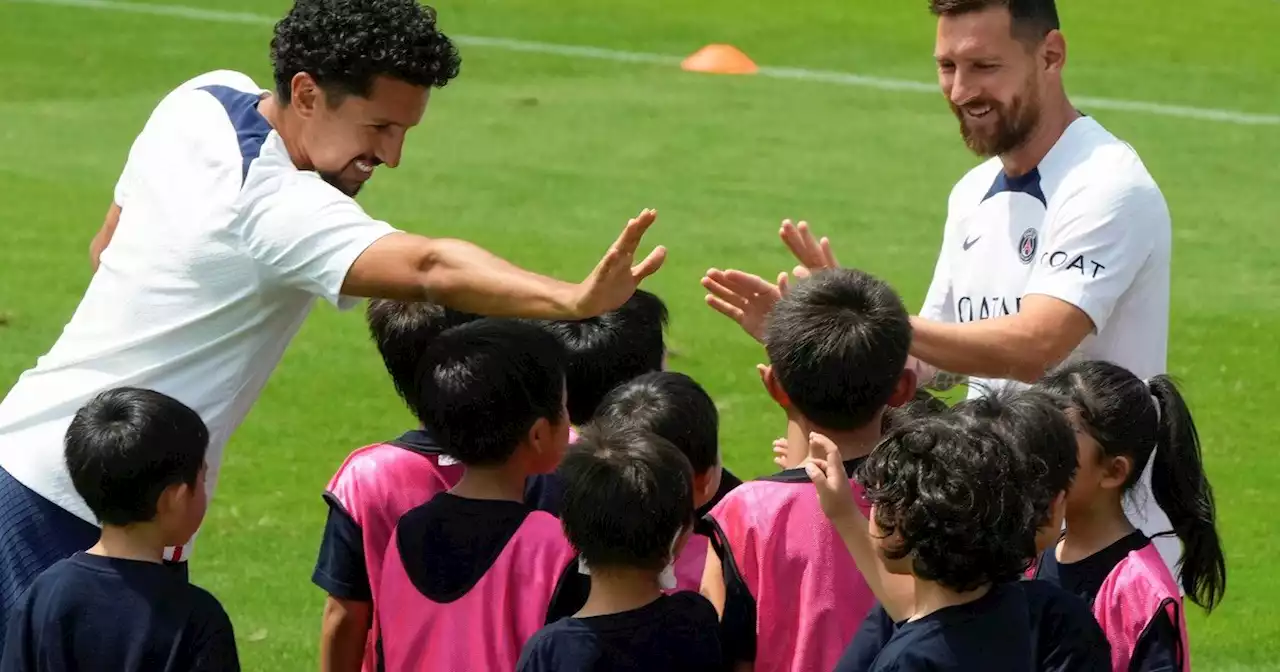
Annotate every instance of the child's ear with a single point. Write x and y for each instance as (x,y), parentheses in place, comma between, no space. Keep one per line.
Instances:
(706,484)
(773,387)
(173,499)
(905,389)
(540,435)
(1115,471)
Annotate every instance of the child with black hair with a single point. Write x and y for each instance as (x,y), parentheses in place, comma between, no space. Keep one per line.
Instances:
(922,404)
(789,594)
(628,509)
(1124,424)
(603,353)
(469,576)
(950,509)
(1065,635)
(675,407)
(137,457)
(376,485)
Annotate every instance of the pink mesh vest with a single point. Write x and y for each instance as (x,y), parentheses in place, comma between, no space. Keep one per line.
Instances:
(485,628)
(376,485)
(810,597)
(690,564)
(1134,593)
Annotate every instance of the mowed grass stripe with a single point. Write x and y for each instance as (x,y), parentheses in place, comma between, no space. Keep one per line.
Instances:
(577,51)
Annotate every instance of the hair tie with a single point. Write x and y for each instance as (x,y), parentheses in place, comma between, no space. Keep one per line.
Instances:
(1155,401)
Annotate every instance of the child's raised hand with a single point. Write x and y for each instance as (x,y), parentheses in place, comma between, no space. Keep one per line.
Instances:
(826,469)
(780,452)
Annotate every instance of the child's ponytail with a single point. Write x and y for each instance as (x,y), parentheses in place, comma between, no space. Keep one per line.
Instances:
(1182,490)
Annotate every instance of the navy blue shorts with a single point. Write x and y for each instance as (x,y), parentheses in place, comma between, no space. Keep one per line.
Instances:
(34,534)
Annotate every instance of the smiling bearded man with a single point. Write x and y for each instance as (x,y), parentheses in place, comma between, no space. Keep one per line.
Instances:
(1055,248)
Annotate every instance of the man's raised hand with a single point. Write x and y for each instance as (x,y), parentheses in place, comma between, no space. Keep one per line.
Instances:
(812,253)
(617,275)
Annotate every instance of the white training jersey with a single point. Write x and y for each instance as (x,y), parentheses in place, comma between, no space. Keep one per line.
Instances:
(1088,226)
(222,247)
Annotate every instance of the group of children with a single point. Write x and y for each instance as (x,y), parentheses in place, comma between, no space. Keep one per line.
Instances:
(562,506)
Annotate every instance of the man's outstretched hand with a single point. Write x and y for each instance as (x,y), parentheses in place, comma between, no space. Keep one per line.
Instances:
(617,275)
(812,253)
(744,298)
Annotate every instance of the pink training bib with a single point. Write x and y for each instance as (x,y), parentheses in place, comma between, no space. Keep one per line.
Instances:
(1138,590)
(486,627)
(376,485)
(810,596)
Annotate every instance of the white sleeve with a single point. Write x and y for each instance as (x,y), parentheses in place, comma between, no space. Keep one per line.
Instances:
(1095,245)
(307,236)
(938,304)
(121,193)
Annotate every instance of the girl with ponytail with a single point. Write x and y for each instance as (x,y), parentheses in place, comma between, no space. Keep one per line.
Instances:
(1122,424)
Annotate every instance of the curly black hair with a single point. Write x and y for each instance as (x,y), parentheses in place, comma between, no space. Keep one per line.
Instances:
(957,496)
(345,44)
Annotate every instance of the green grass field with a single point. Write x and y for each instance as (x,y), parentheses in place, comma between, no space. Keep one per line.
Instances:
(541,157)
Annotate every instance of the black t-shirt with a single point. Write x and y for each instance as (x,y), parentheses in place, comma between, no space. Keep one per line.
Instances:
(1064,635)
(990,633)
(90,612)
(448,544)
(673,633)
(1159,648)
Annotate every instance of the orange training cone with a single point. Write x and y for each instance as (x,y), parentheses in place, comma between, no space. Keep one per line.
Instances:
(720,59)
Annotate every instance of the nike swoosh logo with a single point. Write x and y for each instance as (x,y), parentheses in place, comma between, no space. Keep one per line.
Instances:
(969,243)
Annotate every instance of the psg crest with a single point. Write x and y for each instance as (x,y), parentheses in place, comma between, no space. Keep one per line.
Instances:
(1027,246)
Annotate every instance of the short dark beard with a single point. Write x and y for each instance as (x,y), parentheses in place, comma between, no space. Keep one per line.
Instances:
(1014,126)
(332,179)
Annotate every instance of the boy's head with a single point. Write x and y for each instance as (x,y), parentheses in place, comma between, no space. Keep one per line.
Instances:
(402,331)
(837,345)
(676,408)
(1033,424)
(137,456)
(610,349)
(628,498)
(950,503)
(493,390)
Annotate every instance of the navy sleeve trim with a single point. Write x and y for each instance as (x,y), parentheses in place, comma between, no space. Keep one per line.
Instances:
(1159,647)
(340,568)
(251,127)
(738,623)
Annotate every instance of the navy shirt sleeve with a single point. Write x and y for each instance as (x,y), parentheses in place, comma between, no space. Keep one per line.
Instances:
(875,631)
(18,640)
(1159,647)
(215,650)
(340,568)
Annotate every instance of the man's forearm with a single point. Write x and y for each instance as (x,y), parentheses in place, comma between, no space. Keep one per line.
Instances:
(995,348)
(468,278)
